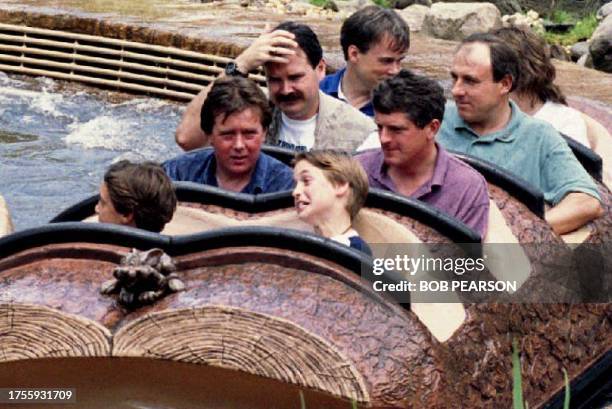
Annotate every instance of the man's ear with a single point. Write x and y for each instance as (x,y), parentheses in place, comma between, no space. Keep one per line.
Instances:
(127,219)
(506,84)
(432,128)
(352,53)
(320,69)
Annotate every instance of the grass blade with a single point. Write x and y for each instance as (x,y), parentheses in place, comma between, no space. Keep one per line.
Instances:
(517,387)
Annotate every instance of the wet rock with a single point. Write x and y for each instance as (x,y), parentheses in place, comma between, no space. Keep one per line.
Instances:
(559,52)
(455,21)
(530,19)
(350,6)
(402,4)
(504,6)
(604,11)
(415,16)
(578,50)
(585,61)
(601,46)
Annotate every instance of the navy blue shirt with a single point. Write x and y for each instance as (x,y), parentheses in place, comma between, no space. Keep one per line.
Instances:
(330,85)
(200,166)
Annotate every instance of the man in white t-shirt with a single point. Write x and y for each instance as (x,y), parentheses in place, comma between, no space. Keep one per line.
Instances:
(304,117)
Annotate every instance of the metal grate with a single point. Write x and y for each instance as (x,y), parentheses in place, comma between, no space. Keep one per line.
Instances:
(125,65)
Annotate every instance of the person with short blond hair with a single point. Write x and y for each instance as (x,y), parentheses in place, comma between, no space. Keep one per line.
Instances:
(136,194)
(331,188)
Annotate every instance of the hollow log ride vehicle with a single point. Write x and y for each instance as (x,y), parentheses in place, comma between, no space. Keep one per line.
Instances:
(265,309)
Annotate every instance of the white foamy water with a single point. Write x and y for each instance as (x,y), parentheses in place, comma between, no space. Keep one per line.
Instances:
(55,147)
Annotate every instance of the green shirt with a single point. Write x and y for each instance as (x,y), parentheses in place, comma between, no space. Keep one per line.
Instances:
(527,147)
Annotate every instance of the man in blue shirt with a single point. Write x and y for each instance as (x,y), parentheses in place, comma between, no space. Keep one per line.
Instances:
(374,41)
(234,117)
(485,124)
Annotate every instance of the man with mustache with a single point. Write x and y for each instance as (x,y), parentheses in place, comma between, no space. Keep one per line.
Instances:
(304,117)
(234,117)
(374,42)
(408,110)
(485,123)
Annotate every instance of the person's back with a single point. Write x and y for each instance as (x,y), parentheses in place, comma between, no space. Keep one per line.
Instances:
(137,195)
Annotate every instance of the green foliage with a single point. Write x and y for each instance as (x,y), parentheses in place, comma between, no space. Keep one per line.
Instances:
(383,3)
(517,386)
(566,401)
(583,30)
(561,16)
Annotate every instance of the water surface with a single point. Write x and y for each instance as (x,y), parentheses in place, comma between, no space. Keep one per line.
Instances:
(56,141)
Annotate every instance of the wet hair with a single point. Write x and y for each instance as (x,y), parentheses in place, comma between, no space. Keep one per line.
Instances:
(143,190)
(230,95)
(537,71)
(372,24)
(420,98)
(504,60)
(307,40)
(339,168)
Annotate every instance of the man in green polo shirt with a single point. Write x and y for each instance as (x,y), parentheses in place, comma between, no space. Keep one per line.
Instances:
(484,123)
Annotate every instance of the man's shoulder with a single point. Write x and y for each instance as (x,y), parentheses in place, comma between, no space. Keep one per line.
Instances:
(367,157)
(461,172)
(195,156)
(273,164)
(329,84)
(337,110)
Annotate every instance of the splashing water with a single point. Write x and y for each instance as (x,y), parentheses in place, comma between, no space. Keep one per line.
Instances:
(55,146)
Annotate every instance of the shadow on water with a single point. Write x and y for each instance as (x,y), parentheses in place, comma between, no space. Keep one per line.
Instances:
(16,138)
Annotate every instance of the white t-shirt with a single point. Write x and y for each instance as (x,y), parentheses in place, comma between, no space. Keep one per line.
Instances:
(565,120)
(298,133)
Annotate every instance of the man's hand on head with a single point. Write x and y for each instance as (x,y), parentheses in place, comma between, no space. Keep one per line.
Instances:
(271,46)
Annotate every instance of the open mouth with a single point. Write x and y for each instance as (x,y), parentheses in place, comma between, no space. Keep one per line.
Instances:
(300,206)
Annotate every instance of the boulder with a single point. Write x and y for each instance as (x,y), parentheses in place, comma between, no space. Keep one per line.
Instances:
(455,21)
(351,6)
(601,46)
(604,11)
(585,61)
(559,52)
(402,4)
(504,6)
(415,16)
(579,49)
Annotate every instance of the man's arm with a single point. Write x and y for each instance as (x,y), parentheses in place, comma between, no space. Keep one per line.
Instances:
(575,210)
(273,46)
(188,134)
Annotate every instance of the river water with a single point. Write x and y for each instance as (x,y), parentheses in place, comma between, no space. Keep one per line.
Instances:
(57,139)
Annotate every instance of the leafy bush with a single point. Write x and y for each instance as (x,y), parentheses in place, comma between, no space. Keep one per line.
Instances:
(583,30)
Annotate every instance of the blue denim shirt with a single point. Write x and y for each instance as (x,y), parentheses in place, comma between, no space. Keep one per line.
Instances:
(330,85)
(199,166)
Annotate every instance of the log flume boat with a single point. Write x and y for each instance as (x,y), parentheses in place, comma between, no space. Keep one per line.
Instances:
(269,310)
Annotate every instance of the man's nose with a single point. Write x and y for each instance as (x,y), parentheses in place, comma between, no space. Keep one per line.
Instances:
(286,88)
(457,89)
(395,68)
(239,142)
(383,134)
